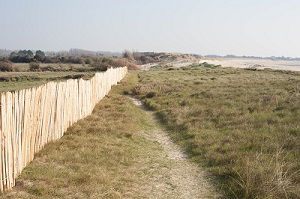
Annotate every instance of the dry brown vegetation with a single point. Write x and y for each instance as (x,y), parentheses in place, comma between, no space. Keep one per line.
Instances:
(6,66)
(243,125)
(152,57)
(104,63)
(96,158)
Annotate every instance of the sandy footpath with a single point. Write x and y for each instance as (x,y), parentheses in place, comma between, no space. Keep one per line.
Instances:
(172,174)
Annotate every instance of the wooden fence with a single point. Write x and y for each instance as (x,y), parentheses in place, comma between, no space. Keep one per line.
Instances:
(31,118)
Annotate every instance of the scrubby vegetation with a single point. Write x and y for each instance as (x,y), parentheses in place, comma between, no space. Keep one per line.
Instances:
(40,62)
(193,66)
(242,125)
(204,65)
(103,63)
(34,66)
(98,62)
(6,66)
(152,57)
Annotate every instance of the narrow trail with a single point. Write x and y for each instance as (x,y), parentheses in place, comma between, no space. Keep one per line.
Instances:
(172,174)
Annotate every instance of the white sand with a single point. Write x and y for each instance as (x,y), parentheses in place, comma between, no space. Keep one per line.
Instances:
(255,63)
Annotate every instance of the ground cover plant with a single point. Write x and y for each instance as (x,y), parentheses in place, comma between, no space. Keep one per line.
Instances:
(243,125)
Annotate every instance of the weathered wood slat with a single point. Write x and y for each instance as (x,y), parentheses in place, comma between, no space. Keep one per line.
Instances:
(30,118)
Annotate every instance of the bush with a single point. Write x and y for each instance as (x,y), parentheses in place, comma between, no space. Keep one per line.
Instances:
(100,65)
(88,60)
(128,55)
(118,62)
(34,66)
(103,63)
(6,66)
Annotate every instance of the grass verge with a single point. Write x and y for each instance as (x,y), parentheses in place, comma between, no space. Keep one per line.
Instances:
(242,125)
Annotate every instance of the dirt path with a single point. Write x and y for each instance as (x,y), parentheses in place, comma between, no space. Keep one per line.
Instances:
(171,174)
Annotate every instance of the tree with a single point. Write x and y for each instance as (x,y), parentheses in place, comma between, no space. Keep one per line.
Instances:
(39,52)
(39,57)
(30,53)
(24,53)
(128,55)
(13,54)
(88,60)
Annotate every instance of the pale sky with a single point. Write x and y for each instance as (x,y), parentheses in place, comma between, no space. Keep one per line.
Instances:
(240,27)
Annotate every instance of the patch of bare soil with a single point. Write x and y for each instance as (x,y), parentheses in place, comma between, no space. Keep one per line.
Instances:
(170,174)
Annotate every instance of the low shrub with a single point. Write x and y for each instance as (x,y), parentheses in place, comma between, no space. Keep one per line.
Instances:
(99,65)
(34,66)
(104,63)
(6,66)
(119,62)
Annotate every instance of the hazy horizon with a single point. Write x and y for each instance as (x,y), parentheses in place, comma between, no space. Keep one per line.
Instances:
(252,28)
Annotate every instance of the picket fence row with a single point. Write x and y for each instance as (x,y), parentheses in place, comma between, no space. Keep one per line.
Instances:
(30,118)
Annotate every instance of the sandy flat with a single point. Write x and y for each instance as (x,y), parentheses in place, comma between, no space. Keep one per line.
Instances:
(255,63)
(237,63)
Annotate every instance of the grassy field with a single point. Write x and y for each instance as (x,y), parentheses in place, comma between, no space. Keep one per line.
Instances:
(243,125)
(23,79)
(28,75)
(11,81)
(101,156)
(24,67)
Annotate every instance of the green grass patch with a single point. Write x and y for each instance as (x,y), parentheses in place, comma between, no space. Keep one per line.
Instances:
(12,81)
(203,65)
(242,125)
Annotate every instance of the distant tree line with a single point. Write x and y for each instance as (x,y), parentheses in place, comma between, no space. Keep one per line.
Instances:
(35,59)
(130,59)
(27,56)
